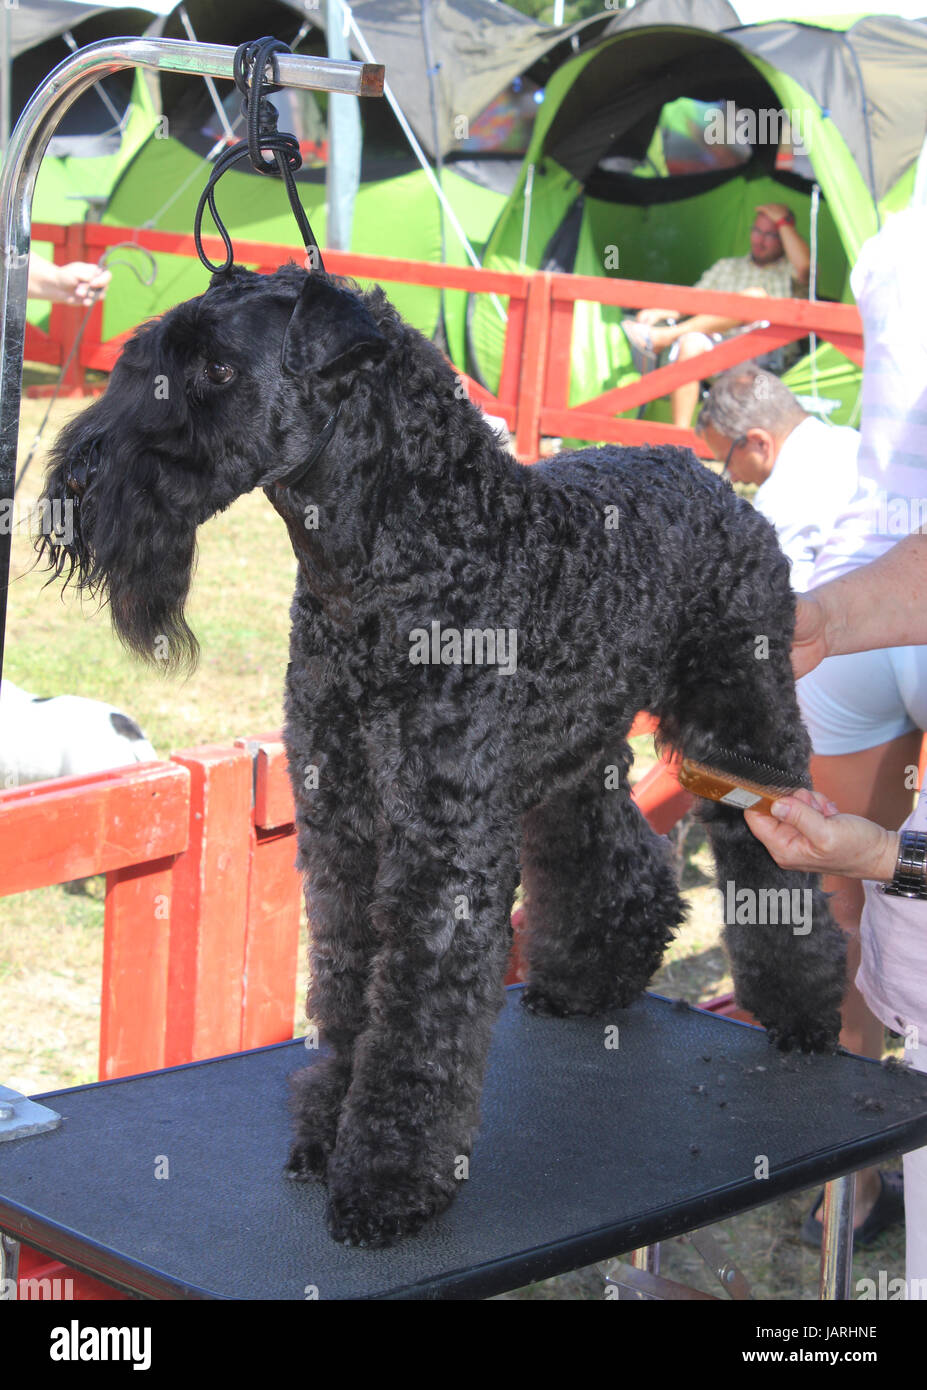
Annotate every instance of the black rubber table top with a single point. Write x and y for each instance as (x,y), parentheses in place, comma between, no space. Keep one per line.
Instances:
(586,1150)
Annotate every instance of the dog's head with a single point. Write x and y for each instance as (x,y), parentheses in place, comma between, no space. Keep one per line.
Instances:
(225,393)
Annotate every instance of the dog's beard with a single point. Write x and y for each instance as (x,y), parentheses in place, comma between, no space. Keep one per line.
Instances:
(126,551)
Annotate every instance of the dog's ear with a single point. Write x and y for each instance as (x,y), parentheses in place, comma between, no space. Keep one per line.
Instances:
(328,327)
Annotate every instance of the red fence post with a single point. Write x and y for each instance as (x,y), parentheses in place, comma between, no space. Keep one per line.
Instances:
(208,908)
(66,320)
(274,898)
(136,947)
(533,368)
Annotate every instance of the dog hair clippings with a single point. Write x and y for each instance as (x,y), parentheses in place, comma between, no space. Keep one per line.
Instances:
(250,71)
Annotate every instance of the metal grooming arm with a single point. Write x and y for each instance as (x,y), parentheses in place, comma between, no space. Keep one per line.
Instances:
(34,129)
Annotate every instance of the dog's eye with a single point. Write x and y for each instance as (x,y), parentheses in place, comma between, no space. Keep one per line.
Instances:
(219,373)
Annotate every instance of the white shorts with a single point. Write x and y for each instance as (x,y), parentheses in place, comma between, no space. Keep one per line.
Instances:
(850,703)
(704,340)
(776,361)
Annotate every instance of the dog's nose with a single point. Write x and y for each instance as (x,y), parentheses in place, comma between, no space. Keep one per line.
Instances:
(80,471)
(77,478)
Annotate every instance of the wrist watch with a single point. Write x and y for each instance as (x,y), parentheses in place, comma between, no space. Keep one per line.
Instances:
(910,878)
(785,221)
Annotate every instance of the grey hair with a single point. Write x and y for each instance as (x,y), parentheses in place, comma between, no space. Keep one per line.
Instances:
(747,398)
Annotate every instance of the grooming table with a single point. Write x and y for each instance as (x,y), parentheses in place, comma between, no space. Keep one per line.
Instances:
(586,1150)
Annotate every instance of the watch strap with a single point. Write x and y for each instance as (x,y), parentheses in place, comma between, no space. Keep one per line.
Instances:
(910,877)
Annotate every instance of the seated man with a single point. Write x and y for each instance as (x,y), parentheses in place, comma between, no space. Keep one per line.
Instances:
(806,470)
(777,266)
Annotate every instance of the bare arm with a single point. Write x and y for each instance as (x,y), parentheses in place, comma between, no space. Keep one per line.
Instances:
(663,338)
(794,246)
(76,283)
(883,604)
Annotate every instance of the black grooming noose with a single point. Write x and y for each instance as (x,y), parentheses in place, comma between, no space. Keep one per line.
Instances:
(250,65)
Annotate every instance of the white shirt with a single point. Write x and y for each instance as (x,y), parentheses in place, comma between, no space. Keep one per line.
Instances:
(813,479)
(890,286)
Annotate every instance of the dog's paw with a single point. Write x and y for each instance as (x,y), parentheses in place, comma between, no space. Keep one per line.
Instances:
(376,1212)
(317,1095)
(548,1003)
(805,1035)
(540,1001)
(308,1160)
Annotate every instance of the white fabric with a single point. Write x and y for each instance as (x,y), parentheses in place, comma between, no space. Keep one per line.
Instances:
(65,736)
(892,978)
(812,481)
(892,975)
(890,286)
(859,701)
(915,1200)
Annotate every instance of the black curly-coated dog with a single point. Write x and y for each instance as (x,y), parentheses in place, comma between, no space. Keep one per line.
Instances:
(471,640)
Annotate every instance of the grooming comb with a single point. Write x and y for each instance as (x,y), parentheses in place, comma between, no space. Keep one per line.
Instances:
(735,780)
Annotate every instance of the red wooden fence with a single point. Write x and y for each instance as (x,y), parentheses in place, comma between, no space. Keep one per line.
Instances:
(533,390)
(201,923)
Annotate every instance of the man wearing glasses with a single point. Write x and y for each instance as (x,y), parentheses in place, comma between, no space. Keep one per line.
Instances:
(777,267)
(805,471)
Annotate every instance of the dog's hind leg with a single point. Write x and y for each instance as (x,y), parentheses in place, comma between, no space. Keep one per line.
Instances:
(734,689)
(601,898)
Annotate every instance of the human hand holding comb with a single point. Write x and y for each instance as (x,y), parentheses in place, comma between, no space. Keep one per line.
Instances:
(805,831)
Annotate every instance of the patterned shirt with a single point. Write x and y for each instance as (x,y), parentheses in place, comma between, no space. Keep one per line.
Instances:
(734,274)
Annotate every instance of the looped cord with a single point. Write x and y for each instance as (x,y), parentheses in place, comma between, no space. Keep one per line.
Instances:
(250,72)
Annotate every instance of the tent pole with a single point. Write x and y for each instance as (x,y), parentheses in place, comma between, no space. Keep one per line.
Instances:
(430,72)
(919,195)
(98,87)
(423,161)
(526,216)
(34,129)
(812,282)
(345,143)
(210,85)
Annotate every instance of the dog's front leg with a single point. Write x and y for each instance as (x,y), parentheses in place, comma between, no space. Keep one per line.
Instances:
(337,854)
(442,912)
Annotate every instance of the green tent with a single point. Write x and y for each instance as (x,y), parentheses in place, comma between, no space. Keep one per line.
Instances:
(623,178)
(100,132)
(455,67)
(446,62)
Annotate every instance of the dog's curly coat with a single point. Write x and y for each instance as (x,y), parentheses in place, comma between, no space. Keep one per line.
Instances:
(631,579)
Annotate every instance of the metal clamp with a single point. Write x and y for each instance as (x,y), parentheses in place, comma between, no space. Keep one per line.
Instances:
(20,1116)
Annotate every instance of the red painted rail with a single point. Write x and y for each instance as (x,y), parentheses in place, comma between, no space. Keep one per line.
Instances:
(202,909)
(533,390)
(201,921)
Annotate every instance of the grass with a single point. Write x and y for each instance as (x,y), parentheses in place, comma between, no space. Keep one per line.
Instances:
(51,941)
